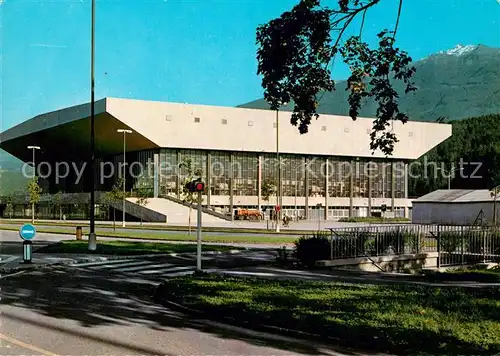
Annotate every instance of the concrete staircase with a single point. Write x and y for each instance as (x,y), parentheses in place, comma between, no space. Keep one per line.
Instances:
(169,211)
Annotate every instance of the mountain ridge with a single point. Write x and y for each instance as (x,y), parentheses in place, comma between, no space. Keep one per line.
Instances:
(457,83)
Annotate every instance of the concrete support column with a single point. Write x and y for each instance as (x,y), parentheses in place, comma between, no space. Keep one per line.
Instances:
(231,187)
(178,189)
(369,170)
(327,186)
(393,187)
(208,183)
(156,175)
(306,192)
(351,189)
(259,182)
(406,180)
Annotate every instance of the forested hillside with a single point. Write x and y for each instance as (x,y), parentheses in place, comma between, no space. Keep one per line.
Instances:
(475,141)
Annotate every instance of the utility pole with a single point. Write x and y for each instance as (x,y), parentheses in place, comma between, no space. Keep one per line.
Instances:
(198,234)
(33,148)
(92,236)
(125,132)
(278,210)
(494,193)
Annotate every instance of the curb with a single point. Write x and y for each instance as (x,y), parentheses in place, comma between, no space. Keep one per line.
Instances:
(243,324)
(90,259)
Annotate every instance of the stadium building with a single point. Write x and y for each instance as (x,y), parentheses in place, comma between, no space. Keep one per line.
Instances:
(327,173)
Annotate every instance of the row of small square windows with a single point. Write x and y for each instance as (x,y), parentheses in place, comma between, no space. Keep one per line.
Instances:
(250,123)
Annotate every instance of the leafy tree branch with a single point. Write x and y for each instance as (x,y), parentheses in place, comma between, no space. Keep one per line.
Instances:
(296,51)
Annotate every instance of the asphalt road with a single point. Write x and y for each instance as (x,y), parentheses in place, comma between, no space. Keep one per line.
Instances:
(63,312)
(11,243)
(153,232)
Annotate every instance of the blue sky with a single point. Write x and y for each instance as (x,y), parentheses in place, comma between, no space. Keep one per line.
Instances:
(184,50)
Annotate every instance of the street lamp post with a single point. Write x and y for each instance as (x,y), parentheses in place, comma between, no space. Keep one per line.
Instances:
(92,246)
(33,148)
(278,212)
(125,132)
(279,193)
(449,174)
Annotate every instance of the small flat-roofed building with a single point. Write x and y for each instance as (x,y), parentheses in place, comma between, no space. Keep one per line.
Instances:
(455,207)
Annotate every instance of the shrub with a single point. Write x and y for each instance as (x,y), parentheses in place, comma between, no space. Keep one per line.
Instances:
(374,219)
(414,242)
(309,249)
(365,242)
(483,242)
(450,241)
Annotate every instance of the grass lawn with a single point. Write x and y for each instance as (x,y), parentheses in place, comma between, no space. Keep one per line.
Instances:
(476,275)
(256,230)
(126,248)
(400,319)
(181,236)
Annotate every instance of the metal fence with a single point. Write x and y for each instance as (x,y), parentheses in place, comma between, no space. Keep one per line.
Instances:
(455,245)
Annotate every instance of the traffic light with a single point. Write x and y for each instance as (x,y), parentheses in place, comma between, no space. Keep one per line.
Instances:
(195,186)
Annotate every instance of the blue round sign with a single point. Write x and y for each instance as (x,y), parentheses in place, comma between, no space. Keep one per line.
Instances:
(27,232)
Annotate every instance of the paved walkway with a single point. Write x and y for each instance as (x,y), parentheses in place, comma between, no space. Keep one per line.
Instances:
(346,276)
(294,225)
(61,312)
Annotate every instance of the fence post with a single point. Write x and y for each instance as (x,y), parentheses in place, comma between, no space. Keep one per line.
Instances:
(356,238)
(331,245)
(438,248)
(399,239)
(484,245)
(462,237)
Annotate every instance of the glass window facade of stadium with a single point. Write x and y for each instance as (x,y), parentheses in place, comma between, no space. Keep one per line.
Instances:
(293,180)
(339,178)
(168,172)
(316,170)
(380,174)
(220,173)
(245,173)
(295,171)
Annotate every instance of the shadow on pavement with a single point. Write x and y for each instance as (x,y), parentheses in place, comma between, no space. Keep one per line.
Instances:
(94,299)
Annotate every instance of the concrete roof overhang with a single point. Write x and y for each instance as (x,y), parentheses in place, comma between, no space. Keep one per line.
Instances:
(64,135)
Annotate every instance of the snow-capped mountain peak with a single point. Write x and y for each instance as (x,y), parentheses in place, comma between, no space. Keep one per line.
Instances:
(459,50)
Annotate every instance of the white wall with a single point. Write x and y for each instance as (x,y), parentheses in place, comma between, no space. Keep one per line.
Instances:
(451,213)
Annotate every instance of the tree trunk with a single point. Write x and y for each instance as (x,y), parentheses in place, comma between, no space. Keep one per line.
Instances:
(60,214)
(189,221)
(114,219)
(32,213)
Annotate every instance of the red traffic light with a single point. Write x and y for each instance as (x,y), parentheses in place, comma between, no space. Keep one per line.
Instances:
(195,186)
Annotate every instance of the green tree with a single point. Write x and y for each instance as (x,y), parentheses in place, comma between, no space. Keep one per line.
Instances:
(34,191)
(142,190)
(114,197)
(190,173)
(471,156)
(295,53)
(9,206)
(269,188)
(57,202)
